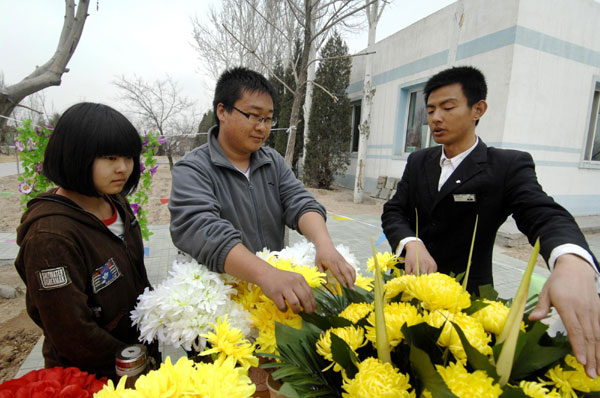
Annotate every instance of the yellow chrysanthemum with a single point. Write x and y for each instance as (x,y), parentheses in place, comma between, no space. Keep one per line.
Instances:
(312,275)
(439,291)
(493,316)
(356,311)
(566,381)
(366,282)
(472,329)
(221,379)
(467,385)
(375,379)
(264,316)
(396,315)
(397,285)
(534,389)
(169,381)
(385,260)
(250,296)
(109,391)
(352,335)
(230,342)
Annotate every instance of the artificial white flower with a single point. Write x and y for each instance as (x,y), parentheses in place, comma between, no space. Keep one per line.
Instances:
(184,305)
(303,253)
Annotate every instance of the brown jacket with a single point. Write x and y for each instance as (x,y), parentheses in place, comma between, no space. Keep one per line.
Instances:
(82,281)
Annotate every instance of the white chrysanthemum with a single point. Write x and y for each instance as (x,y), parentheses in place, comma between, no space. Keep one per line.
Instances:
(349,257)
(183,306)
(303,253)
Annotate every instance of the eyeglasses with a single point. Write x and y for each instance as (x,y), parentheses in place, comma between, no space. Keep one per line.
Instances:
(269,121)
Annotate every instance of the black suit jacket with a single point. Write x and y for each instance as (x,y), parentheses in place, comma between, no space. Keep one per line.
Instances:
(492,183)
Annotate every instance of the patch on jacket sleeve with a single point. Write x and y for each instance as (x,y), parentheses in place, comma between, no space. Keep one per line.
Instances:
(53,278)
(105,275)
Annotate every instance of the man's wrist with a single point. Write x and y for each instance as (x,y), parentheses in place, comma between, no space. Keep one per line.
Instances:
(403,243)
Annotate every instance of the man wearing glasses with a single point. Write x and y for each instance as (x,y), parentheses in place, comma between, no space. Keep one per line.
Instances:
(233,197)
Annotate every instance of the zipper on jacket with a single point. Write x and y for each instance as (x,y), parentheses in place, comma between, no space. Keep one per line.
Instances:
(258,225)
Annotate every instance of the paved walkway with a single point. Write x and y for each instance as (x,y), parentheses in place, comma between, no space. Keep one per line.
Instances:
(355,232)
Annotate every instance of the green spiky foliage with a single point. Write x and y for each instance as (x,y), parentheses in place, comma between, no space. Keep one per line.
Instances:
(328,148)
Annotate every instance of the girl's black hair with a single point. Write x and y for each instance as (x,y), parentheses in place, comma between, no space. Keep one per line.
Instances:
(84,132)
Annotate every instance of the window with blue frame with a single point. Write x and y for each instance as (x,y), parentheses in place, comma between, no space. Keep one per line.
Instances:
(417,130)
(592,152)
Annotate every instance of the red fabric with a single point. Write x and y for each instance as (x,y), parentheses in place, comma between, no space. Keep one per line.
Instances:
(55,382)
(113,218)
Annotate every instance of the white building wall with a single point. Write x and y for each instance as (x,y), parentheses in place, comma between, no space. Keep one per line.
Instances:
(540,68)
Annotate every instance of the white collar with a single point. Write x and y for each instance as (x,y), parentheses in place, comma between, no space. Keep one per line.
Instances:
(456,160)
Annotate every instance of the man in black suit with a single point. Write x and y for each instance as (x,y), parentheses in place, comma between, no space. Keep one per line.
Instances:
(447,186)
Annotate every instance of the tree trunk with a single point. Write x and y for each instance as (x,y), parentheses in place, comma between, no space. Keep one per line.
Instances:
(51,72)
(170,157)
(365,117)
(300,84)
(311,73)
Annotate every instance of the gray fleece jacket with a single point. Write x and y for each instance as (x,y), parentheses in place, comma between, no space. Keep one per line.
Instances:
(214,206)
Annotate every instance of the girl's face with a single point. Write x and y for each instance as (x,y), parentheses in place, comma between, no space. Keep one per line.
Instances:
(111,172)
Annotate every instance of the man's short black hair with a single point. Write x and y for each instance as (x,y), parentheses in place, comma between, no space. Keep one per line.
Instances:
(232,85)
(84,132)
(471,79)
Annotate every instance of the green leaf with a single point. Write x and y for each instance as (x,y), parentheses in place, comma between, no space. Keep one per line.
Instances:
(381,339)
(325,322)
(430,378)
(466,280)
(344,356)
(300,365)
(476,359)
(510,332)
(424,337)
(288,391)
(509,391)
(488,292)
(476,305)
(532,356)
(358,295)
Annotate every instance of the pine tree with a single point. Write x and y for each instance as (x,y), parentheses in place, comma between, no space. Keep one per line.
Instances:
(328,149)
(208,120)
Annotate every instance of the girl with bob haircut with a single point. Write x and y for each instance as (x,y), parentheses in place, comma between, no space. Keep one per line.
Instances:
(81,253)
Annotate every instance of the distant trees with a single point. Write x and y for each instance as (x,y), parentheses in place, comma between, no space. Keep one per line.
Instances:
(159,105)
(330,133)
(208,120)
(259,33)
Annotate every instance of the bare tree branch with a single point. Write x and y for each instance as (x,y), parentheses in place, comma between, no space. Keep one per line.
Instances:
(271,72)
(50,73)
(159,103)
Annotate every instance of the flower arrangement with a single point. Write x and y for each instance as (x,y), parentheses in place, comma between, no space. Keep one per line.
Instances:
(31,144)
(53,382)
(226,376)
(185,306)
(424,336)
